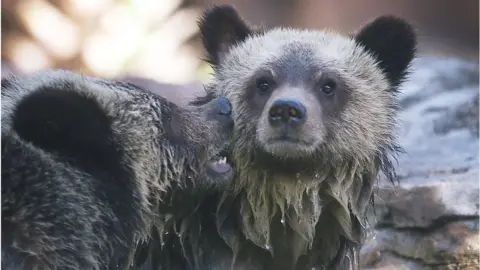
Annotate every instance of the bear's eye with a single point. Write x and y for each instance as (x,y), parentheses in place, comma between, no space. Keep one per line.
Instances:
(328,87)
(264,85)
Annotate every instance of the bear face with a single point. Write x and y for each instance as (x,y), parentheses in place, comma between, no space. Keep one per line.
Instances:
(302,97)
(215,124)
(204,129)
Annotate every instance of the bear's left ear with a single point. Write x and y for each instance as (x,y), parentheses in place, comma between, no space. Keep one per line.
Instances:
(393,42)
(221,27)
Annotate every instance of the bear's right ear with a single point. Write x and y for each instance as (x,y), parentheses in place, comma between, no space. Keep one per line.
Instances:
(392,41)
(221,27)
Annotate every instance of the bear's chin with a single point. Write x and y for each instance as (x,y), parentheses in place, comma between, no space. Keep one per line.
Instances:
(288,149)
(275,163)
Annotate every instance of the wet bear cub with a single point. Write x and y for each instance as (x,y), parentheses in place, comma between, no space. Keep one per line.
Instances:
(88,165)
(315,117)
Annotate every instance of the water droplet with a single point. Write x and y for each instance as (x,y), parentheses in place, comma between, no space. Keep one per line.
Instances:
(166,232)
(317,175)
(282,220)
(162,244)
(267,246)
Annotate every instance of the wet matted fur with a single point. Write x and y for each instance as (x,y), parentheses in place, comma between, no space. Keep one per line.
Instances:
(88,167)
(299,196)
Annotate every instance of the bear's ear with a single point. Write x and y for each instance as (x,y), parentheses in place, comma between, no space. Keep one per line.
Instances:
(393,42)
(221,27)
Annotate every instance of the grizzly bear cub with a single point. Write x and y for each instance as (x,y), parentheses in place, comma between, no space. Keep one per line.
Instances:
(314,116)
(89,164)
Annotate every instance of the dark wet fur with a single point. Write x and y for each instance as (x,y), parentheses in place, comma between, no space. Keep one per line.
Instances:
(71,195)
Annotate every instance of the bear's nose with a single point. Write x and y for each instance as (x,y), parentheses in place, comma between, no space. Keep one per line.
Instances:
(287,111)
(223,106)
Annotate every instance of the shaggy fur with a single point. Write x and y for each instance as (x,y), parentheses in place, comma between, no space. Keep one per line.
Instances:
(89,167)
(299,197)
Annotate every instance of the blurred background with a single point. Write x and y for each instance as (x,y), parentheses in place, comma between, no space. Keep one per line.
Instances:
(158,39)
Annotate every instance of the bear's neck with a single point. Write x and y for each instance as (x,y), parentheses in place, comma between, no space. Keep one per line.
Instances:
(278,210)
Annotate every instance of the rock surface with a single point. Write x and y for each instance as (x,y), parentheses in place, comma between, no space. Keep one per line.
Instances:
(431,219)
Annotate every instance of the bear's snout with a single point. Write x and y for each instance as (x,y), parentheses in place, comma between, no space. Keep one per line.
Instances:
(287,113)
(221,110)
(222,106)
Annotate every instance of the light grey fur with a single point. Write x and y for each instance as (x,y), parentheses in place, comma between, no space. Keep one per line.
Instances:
(366,125)
(364,131)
